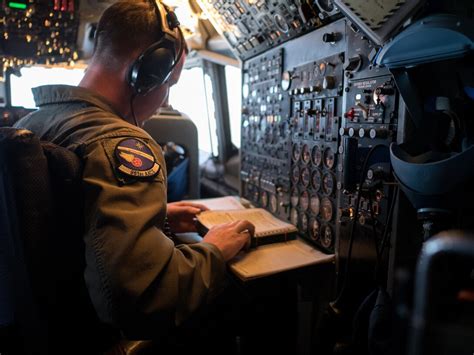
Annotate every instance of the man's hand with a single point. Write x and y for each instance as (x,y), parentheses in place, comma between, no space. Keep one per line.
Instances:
(230,238)
(181,216)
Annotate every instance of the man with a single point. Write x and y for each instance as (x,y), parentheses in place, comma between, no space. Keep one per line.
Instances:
(137,279)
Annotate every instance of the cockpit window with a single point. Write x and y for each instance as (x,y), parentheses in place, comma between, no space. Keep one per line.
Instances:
(192,95)
(234,99)
(20,86)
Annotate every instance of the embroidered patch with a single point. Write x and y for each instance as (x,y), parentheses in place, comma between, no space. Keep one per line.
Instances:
(136,158)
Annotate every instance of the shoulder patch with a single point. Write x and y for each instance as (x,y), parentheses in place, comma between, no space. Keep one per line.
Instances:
(136,158)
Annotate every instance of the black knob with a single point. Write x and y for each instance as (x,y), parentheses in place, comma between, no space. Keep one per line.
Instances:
(353,64)
(330,37)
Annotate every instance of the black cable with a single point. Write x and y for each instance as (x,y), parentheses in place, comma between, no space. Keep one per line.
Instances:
(352,234)
(374,229)
(388,223)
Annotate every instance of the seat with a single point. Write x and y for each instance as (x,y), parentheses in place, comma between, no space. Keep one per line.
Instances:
(43,296)
(443,312)
(173,126)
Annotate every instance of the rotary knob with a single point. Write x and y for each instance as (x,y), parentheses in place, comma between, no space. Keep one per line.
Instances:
(329,82)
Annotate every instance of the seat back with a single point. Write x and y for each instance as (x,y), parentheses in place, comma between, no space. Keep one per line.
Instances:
(41,263)
(178,128)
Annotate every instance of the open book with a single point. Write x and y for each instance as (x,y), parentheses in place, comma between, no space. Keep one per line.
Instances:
(268,229)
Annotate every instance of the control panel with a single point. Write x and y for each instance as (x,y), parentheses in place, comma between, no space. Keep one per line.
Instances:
(265,157)
(253,26)
(38,32)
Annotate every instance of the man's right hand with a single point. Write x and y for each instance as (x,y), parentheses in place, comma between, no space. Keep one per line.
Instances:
(230,238)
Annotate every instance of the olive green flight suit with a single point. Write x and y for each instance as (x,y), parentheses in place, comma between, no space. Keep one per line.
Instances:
(135,275)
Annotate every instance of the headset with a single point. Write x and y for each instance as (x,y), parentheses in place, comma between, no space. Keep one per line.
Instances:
(154,65)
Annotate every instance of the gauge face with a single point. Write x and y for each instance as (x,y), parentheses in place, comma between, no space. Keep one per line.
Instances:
(326,237)
(295,174)
(314,204)
(304,200)
(294,198)
(285,80)
(306,157)
(326,5)
(296,152)
(328,183)
(329,158)
(316,180)
(317,156)
(264,198)
(326,209)
(314,228)
(245,91)
(281,23)
(305,177)
(273,203)
(303,222)
(294,216)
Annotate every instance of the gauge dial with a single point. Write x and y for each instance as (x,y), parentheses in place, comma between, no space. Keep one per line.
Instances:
(314,204)
(305,177)
(296,152)
(295,174)
(327,237)
(304,222)
(316,180)
(286,80)
(264,198)
(317,156)
(294,217)
(328,183)
(306,157)
(314,228)
(294,198)
(304,200)
(329,158)
(281,23)
(326,5)
(326,209)
(273,203)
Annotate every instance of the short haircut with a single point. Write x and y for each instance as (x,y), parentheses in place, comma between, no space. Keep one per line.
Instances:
(124,27)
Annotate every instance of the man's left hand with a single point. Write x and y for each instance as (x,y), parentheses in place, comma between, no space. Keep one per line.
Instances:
(181,216)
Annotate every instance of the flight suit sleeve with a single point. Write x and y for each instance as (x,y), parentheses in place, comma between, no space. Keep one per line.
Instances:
(136,277)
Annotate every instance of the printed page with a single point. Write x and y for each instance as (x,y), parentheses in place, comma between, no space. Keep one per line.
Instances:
(274,258)
(221,203)
(264,222)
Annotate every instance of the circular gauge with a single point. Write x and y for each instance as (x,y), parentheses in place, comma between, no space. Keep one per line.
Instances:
(326,209)
(322,68)
(328,183)
(305,177)
(245,91)
(326,5)
(273,203)
(296,152)
(286,81)
(295,174)
(316,180)
(294,198)
(306,154)
(317,156)
(281,23)
(294,216)
(314,228)
(304,200)
(326,237)
(329,158)
(314,204)
(303,222)
(264,198)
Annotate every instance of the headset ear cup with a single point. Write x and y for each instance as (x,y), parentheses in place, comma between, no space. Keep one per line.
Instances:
(151,70)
